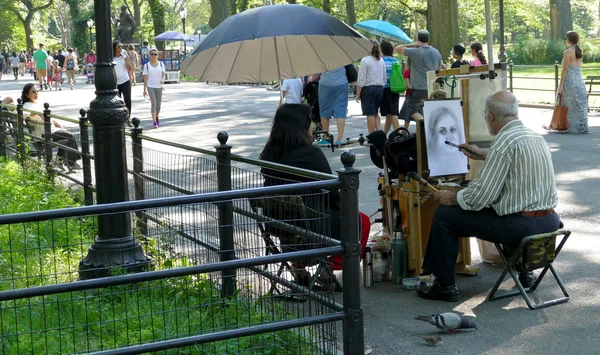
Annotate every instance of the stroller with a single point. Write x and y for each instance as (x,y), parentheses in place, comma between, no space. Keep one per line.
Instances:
(311,94)
(90,73)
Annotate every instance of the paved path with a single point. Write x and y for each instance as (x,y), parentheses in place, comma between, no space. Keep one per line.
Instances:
(193,113)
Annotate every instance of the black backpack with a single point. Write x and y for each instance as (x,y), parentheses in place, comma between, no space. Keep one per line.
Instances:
(311,93)
(399,150)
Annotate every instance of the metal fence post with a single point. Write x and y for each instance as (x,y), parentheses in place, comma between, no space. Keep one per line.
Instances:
(225,214)
(510,75)
(20,135)
(138,168)
(84,134)
(48,139)
(115,246)
(556,76)
(353,325)
(2,133)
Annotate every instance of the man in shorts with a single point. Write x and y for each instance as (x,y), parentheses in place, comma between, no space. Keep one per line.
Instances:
(41,62)
(423,58)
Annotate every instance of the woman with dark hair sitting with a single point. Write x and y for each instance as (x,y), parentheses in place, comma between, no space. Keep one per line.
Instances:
(29,98)
(290,143)
(477,52)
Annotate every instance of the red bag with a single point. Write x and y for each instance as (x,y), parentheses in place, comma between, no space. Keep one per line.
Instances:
(560,120)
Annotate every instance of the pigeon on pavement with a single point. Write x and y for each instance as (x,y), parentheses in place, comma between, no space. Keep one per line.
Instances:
(448,321)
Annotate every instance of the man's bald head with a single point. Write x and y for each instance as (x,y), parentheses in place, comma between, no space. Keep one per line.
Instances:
(502,104)
(500,108)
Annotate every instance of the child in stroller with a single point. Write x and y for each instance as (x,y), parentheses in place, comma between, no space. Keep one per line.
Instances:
(90,73)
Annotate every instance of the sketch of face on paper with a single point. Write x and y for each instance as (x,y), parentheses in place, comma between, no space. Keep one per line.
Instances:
(444,122)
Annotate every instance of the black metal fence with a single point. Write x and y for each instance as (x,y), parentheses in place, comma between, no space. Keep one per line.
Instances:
(226,253)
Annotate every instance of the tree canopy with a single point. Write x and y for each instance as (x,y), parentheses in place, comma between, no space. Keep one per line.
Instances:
(63,22)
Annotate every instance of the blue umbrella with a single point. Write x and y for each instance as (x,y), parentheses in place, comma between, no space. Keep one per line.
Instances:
(174,36)
(384,29)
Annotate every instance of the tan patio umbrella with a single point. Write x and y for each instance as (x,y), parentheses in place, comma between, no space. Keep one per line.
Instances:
(275,43)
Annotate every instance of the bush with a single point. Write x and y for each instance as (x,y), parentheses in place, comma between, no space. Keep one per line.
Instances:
(539,52)
(536,51)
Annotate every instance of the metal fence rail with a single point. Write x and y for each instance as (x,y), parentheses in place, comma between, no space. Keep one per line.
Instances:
(182,304)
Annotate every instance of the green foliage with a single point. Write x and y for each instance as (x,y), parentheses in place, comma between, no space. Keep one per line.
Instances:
(536,51)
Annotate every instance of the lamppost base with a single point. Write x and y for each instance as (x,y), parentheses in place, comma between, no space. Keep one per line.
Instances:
(104,256)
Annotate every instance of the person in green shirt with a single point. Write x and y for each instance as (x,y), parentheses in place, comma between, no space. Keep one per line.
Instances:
(41,64)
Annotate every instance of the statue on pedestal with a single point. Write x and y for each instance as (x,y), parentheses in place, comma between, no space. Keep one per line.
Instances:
(125,26)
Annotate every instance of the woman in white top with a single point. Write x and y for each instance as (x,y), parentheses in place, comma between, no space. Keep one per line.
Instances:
(122,69)
(35,122)
(154,78)
(371,79)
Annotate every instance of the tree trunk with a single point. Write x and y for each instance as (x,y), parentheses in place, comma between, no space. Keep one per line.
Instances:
(218,12)
(327,6)
(27,26)
(440,25)
(79,34)
(232,7)
(26,21)
(158,10)
(561,19)
(455,29)
(351,11)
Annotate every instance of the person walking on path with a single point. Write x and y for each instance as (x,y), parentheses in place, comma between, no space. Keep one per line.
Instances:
(132,56)
(369,88)
(122,69)
(40,64)
(572,87)
(291,91)
(70,67)
(154,78)
(391,101)
(333,102)
(423,58)
(14,61)
(22,63)
(57,75)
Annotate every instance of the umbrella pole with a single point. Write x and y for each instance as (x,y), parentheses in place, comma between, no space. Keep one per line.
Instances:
(278,71)
(490,39)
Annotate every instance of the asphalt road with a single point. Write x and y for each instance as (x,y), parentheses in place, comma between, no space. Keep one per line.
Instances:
(194,113)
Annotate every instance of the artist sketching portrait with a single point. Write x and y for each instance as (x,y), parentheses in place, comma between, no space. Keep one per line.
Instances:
(444,122)
(125,26)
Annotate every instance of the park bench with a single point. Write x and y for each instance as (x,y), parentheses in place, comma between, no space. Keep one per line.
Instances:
(591,81)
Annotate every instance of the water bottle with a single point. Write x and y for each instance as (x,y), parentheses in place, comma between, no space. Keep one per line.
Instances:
(399,258)
(368,268)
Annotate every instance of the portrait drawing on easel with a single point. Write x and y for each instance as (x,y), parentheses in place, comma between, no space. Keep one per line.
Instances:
(443,120)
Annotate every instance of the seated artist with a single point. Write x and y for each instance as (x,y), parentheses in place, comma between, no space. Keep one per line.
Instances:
(290,143)
(513,196)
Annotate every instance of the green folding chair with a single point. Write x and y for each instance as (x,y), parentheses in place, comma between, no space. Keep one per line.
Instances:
(534,252)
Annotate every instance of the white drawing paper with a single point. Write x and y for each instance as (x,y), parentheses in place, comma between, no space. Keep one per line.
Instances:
(443,121)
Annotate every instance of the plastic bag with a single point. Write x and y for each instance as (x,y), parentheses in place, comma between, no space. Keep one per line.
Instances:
(397,83)
(380,242)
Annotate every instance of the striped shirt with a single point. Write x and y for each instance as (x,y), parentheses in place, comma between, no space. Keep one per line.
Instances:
(389,62)
(517,174)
